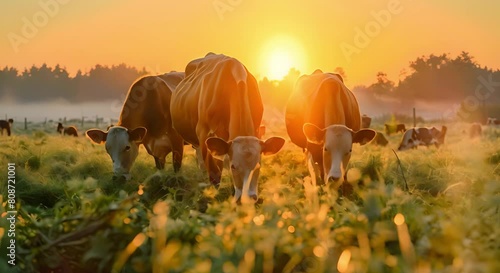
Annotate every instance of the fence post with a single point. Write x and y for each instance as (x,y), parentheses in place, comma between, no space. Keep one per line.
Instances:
(25,124)
(96,121)
(414,118)
(83,120)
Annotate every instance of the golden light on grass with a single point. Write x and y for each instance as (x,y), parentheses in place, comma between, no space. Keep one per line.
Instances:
(141,190)
(319,251)
(399,219)
(291,229)
(279,55)
(404,239)
(126,221)
(138,240)
(343,263)
(391,261)
(259,220)
(280,224)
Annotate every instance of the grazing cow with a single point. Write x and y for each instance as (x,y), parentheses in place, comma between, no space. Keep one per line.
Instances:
(70,131)
(6,125)
(475,130)
(394,128)
(218,109)
(366,121)
(492,121)
(322,117)
(379,139)
(422,136)
(145,119)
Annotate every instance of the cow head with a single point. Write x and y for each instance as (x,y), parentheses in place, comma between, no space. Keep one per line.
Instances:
(60,127)
(336,141)
(121,144)
(244,158)
(409,140)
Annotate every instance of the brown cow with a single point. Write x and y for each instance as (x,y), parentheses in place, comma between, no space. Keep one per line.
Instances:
(492,121)
(6,125)
(380,139)
(366,121)
(322,117)
(475,130)
(394,128)
(218,108)
(70,131)
(144,119)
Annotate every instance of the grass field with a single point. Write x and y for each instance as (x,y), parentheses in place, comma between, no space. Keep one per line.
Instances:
(73,217)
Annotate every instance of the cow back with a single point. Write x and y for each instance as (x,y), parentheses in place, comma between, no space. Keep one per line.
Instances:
(147,105)
(218,93)
(323,100)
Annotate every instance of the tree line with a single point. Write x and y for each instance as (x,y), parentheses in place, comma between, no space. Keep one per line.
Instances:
(432,79)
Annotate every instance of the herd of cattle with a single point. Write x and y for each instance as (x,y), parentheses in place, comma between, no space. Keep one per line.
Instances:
(216,107)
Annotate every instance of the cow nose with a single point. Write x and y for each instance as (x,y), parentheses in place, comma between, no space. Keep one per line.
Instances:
(254,197)
(333,179)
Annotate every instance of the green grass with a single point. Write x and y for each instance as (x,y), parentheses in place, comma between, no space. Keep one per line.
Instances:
(74,217)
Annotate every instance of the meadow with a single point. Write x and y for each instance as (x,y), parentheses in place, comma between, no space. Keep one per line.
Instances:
(435,210)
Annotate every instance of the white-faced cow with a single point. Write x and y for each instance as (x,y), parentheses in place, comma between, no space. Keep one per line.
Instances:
(423,136)
(6,125)
(322,117)
(145,119)
(218,109)
(70,130)
(475,130)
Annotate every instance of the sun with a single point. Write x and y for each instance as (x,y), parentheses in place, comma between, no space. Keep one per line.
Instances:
(279,55)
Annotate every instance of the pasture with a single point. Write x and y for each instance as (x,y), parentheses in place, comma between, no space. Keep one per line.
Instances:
(73,217)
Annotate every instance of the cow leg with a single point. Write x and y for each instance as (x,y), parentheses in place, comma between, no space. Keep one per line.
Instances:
(346,187)
(177,152)
(160,163)
(214,171)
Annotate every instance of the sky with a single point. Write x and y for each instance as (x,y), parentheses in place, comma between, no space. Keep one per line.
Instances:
(269,37)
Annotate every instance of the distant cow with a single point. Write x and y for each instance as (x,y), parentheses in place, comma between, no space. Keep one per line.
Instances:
(394,128)
(322,117)
(6,125)
(423,136)
(366,121)
(475,130)
(218,108)
(70,131)
(492,121)
(379,140)
(145,119)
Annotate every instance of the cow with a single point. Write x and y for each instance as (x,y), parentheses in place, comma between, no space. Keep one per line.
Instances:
(492,121)
(70,131)
(322,117)
(6,125)
(379,139)
(218,109)
(145,119)
(394,128)
(366,121)
(424,136)
(475,130)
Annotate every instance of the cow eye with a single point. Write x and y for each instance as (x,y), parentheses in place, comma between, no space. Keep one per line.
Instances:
(325,149)
(127,148)
(233,167)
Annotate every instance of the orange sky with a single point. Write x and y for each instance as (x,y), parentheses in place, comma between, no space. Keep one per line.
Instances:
(266,37)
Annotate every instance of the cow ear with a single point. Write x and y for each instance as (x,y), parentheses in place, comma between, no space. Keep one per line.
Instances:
(314,134)
(217,146)
(97,136)
(363,136)
(272,145)
(137,134)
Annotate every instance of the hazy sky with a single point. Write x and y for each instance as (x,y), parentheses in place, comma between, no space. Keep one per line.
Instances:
(363,37)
